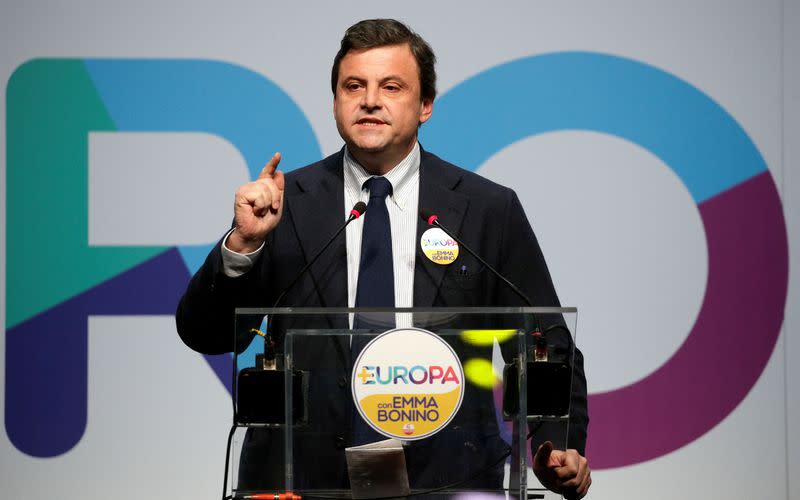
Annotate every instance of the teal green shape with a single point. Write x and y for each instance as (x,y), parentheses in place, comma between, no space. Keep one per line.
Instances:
(51,106)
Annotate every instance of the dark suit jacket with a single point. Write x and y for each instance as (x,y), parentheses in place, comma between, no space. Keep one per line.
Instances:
(488,217)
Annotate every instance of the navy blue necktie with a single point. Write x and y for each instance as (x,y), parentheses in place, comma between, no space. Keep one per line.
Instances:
(376,269)
(375,282)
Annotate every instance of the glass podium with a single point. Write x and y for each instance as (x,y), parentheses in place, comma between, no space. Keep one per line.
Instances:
(397,402)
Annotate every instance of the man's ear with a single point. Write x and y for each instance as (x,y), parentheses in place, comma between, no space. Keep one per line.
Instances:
(425,110)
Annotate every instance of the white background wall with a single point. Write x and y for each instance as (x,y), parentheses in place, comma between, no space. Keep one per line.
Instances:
(745,54)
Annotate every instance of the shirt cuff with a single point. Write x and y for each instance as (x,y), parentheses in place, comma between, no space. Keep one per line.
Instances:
(235,264)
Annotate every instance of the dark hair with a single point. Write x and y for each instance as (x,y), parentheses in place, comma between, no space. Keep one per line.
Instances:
(372,33)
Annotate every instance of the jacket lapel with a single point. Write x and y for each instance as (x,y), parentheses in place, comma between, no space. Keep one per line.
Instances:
(319,206)
(437,182)
(317,211)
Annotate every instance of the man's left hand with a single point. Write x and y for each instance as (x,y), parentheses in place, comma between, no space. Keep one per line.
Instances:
(564,472)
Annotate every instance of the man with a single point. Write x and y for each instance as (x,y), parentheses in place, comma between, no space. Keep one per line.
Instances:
(384,85)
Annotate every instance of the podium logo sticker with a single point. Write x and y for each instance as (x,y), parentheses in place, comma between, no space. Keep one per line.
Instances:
(408,384)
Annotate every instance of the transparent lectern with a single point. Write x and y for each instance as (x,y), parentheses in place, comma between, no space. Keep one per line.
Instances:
(447,401)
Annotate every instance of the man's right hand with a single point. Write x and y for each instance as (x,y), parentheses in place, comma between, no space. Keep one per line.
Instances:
(257,209)
(564,472)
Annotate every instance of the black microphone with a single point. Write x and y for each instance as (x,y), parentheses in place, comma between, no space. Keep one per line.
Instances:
(267,378)
(433,220)
(357,211)
(550,394)
(269,343)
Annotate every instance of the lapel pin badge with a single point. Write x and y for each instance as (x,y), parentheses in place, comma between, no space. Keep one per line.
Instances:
(438,247)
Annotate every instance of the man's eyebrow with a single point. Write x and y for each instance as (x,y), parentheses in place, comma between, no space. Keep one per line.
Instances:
(353,77)
(393,77)
(382,80)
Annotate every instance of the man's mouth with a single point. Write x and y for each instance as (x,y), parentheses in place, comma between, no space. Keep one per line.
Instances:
(370,122)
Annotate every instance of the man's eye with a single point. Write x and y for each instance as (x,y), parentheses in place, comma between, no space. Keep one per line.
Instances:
(353,86)
(391,88)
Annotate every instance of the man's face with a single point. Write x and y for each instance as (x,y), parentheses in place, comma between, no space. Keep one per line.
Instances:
(377,105)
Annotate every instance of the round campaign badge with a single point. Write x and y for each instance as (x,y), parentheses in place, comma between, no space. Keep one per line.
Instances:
(408,384)
(438,246)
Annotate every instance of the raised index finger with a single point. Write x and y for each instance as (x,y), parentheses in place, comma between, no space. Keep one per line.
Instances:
(269,168)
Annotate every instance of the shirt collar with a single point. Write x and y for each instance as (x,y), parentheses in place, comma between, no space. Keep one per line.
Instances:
(401,176)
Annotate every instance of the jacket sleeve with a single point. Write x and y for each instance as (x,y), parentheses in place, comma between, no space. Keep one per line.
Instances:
(205,317)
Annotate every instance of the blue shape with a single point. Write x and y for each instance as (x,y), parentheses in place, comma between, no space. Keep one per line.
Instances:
(194,255)
(247,358)
(685,128)
(47,356)
(241,106)
(46,382)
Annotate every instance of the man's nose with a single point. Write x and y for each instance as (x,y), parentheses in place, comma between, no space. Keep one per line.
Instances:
(371,98)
